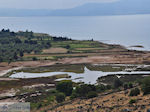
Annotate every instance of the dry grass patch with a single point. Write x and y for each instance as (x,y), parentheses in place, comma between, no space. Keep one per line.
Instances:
(89,48)
(55,50)
(115,102)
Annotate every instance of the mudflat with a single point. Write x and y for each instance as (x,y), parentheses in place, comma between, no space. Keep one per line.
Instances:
(107,57)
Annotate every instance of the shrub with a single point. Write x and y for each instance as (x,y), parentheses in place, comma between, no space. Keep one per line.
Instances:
(125,86)
(146,85)
(65,86)
(69,52)
(91,94)
(132,101)
(67,47)
(83,90)
(130,85)
(117,83)
(139,81)
(100,88)
(39,106)
(134,92)
(34,59)
(73,95)
(108,87)
(60,97)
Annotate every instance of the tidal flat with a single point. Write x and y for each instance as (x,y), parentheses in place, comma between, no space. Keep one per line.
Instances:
(86,73)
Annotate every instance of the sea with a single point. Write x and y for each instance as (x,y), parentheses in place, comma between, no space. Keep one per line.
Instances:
(127,30)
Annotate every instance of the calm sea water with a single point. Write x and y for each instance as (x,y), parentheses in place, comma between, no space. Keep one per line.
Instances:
(126,30)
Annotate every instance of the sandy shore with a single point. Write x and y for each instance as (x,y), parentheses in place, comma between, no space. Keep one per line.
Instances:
(3,72)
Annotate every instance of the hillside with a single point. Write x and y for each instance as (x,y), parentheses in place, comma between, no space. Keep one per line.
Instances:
(29,52)
(106,102)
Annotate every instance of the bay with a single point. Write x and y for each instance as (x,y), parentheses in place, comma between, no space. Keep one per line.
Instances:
(127,30)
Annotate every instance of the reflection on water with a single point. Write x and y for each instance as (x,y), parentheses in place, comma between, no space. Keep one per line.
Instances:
(88,76)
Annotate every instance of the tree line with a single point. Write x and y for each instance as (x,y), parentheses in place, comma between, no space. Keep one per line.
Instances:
(13,45)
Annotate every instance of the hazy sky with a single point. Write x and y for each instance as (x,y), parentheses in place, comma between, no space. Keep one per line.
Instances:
(46,4)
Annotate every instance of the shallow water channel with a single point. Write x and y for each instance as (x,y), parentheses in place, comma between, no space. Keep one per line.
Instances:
(88,76)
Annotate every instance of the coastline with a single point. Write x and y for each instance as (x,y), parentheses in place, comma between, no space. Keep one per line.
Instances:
(3,72)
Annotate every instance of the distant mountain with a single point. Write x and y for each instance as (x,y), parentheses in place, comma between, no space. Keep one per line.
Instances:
(122,7)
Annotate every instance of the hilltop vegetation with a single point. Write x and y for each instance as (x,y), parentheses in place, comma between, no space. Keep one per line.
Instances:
(13,45)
